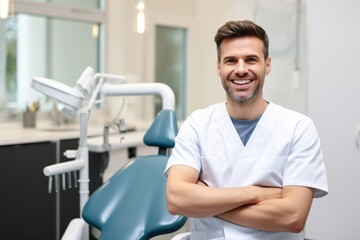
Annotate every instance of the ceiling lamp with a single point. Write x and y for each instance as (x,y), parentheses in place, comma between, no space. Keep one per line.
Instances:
(140,16)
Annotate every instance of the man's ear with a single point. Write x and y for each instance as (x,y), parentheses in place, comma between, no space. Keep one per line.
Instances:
(218,67)
(268,65)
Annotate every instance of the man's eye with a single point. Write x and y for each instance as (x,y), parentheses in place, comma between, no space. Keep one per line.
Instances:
(251,60)
(230,61)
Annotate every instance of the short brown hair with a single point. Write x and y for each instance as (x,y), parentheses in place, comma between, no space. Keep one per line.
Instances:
(233,29)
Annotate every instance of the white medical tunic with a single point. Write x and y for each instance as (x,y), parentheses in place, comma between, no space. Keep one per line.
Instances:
(284,149)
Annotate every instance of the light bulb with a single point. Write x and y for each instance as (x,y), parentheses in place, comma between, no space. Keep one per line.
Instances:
(95,30)
(140,16)
(140,22)
(140,6)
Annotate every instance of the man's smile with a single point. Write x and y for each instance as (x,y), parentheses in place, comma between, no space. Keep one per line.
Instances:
(241,81)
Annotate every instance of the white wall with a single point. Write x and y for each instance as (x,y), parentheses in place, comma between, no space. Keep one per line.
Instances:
(334,85)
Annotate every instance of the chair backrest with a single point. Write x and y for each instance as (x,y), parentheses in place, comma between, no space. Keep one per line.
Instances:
(162,131)
(132,205)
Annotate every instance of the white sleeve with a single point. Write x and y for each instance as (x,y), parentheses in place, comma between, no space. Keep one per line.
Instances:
(305,166)
(186,150)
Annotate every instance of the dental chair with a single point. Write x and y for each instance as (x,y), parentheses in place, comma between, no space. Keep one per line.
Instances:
(131,205)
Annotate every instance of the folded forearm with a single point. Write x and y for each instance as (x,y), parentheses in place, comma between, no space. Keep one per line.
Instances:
(260,216)
(193,200)
(288,214)
(189,197)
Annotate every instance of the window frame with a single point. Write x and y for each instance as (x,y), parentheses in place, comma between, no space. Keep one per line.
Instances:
(61,11)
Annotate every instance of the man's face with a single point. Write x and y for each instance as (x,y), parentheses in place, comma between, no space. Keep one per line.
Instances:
(242,68)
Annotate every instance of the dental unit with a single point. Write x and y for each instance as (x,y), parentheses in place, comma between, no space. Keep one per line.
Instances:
(82,98)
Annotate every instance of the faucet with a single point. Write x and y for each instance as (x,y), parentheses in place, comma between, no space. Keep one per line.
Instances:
(120,126)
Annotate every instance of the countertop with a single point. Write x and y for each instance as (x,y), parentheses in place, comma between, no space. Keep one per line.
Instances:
(15,133)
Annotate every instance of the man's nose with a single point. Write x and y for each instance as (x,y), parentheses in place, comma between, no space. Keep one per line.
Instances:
(241,67)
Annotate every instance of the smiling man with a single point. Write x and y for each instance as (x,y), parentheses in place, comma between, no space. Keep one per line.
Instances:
(245,168)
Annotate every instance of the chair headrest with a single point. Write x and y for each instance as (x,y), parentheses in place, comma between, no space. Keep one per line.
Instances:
(163,130)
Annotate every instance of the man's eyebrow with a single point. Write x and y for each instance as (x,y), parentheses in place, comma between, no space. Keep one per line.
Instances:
(253,56)
(247,56)
(228,57)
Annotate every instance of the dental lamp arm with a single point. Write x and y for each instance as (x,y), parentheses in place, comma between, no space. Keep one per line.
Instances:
(104,78)
(166,93)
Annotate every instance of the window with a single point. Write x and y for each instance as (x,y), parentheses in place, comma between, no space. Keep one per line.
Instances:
(47,39)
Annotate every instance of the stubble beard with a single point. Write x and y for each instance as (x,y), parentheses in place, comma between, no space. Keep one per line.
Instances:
(239,99)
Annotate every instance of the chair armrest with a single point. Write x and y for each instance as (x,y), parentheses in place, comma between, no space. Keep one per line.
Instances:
(75,230)
(182,236)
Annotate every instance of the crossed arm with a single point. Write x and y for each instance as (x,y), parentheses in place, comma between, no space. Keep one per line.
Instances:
(263,208)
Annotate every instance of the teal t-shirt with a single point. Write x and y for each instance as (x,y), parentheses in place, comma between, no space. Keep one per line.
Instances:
(245,128)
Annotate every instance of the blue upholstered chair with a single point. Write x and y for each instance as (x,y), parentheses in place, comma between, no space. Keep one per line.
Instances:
(131,205)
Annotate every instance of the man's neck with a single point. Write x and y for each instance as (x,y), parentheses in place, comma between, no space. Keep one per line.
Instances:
(247,110)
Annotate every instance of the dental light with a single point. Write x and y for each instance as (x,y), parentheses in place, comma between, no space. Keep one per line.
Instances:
(71,97)
(67,95)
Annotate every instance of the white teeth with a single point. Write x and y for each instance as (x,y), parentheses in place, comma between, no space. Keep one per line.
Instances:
(241,81)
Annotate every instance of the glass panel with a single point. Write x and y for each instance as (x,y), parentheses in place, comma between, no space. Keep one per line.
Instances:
(39,46)
(285,23)
(171,62)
